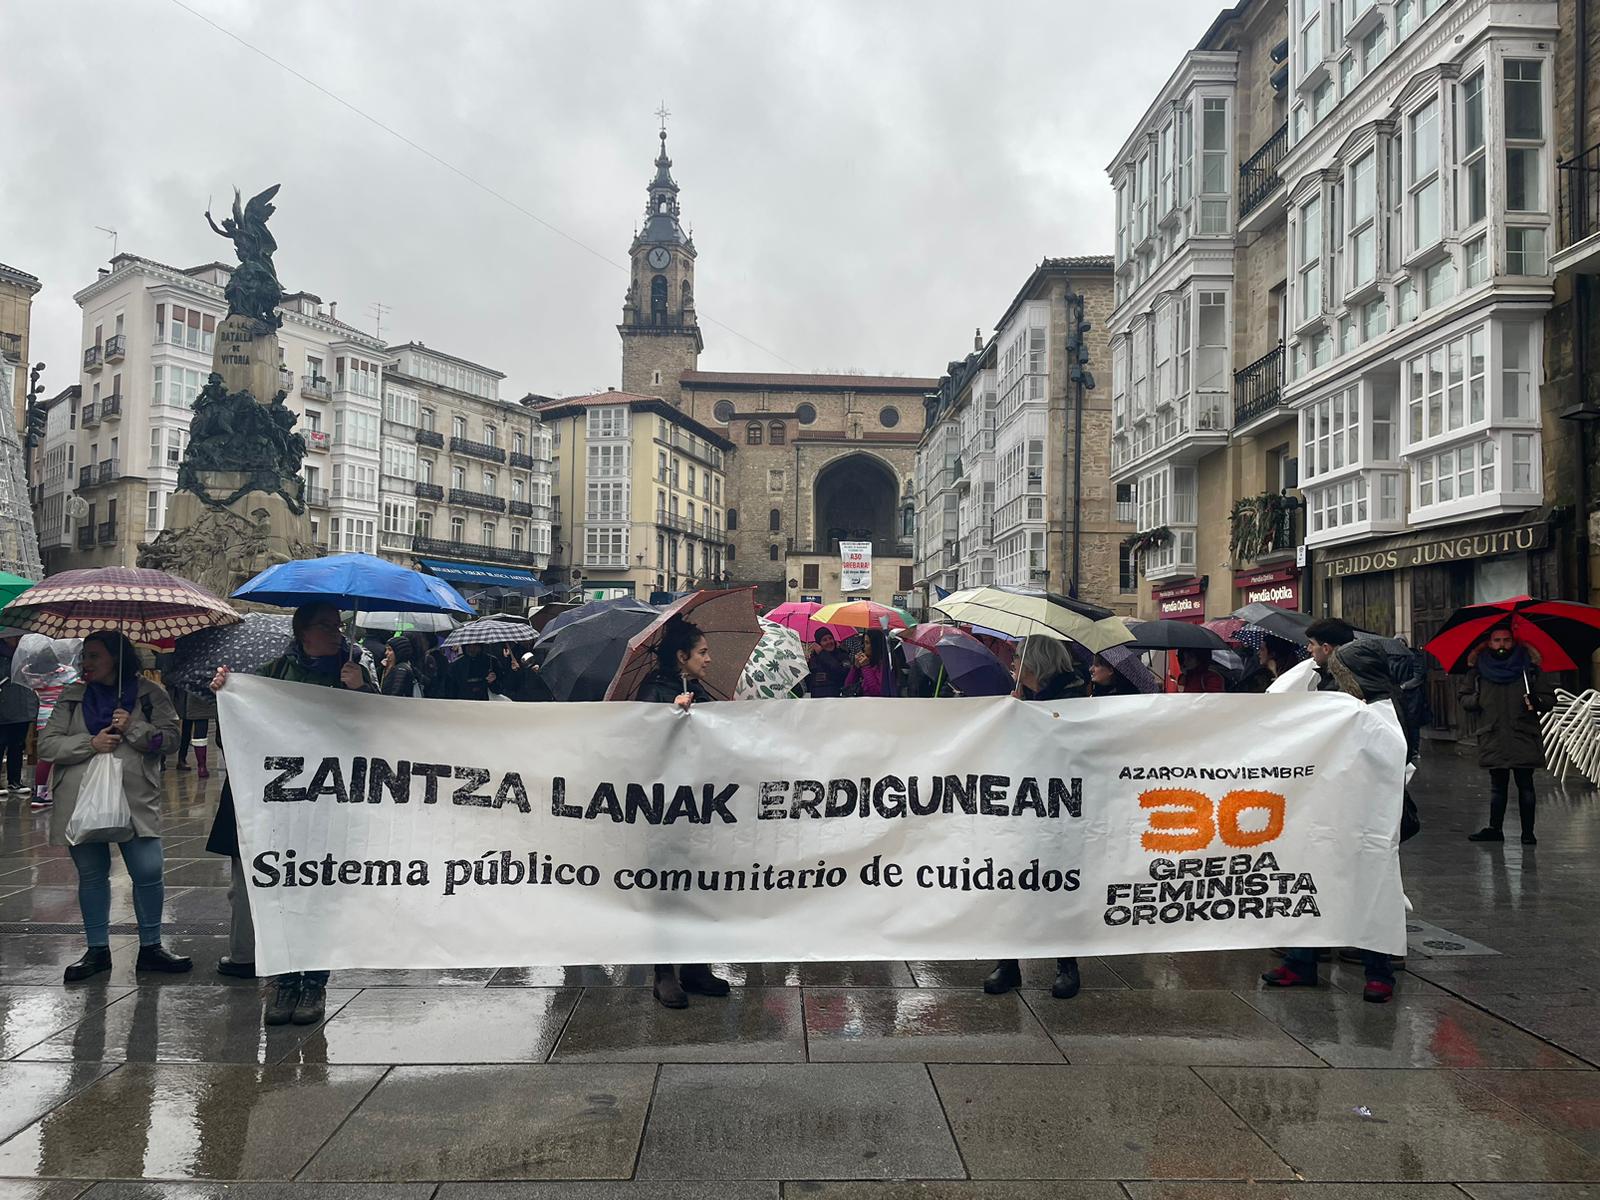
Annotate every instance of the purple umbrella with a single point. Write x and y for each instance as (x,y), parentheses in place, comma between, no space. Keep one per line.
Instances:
(1128,663)
(959,658)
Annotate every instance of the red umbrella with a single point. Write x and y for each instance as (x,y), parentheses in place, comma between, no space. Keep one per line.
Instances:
(1563,632)
(1226,628)
(727,618)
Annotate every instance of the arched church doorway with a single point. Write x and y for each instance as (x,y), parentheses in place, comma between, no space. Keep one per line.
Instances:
(855,498)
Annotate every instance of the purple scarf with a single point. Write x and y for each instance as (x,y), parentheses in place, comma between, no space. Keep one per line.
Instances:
(1508,669)
(99,702)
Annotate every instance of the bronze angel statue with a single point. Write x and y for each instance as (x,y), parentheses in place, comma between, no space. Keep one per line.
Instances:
(253,290)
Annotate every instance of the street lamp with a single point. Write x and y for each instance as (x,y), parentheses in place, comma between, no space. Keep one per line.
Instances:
(34,420)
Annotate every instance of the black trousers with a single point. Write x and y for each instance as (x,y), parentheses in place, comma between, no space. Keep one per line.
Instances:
(14,746)
(189,732)
(1499,779)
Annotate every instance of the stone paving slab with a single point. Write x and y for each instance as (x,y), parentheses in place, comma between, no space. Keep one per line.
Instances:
(29,1015)
(43,1189)
(1291,1191)
(1424,1126)
(1409,1031)
(1125,1122)
(1532,1191)
(1566,1101)
(652,1190)
(493,1122)
(922,1025)
(1054,1189)
(179,1025)
(142,1121)
(613,975)
(29,1090)
(1212,970)
(628,1025)
(1569,1019)
(40,959)
(1164,1026)
(439,1025)
(261,1191)
(816,1120)
(1036,973)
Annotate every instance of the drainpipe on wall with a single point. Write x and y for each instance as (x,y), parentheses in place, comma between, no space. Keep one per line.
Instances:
(1579,321)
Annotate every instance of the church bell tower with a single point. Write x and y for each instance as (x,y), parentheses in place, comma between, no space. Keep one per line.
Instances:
(660,333)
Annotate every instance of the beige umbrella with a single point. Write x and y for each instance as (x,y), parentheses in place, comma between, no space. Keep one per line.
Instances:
(1020,613)
(727,618)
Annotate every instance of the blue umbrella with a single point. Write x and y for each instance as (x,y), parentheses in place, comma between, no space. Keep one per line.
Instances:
(353,581)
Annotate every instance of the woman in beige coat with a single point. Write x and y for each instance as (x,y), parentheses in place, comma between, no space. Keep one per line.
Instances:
(113,710)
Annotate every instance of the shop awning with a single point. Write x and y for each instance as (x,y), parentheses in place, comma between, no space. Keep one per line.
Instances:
(478,575)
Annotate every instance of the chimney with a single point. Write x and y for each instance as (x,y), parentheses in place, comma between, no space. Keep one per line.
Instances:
(333,310)
(977,339)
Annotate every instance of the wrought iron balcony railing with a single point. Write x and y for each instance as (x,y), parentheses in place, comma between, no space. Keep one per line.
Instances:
(1258,177)
(477,500)
(116,347)
(430,437)
(430,491)
(483,450)
(1258,388)
(1580,196)
(92,358)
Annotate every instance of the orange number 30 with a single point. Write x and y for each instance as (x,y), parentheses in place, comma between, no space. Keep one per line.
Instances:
(1182,819)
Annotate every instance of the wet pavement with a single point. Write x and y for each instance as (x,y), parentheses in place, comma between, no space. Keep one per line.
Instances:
(1171,1077)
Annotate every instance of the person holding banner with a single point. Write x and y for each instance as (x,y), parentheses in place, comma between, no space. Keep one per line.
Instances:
(113,710)
(1044,670)
(683,656)
(1359,668)
(319,655)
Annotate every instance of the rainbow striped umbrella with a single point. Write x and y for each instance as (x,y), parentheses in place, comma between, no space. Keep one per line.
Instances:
(863,614)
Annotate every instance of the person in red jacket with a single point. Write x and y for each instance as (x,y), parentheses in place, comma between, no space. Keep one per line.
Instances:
(1197,674)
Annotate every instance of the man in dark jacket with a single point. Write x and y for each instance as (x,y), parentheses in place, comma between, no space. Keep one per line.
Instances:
(18,707)
(1361,669)
(1501,692)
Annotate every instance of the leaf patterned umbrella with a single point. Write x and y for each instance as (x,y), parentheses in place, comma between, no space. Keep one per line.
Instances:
(144,605)
(776,665)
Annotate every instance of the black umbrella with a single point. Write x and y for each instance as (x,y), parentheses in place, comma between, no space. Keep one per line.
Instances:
(1284,623)
(583,611)
(1174,635)
(247,646)
(581,658)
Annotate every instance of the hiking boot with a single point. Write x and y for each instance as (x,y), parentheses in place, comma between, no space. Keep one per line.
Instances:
(698,979)
(280,1009)
(1067,981)
(309,1008)
(1487,834)
(1377,992)
(1287,977)
(669,991)
(95,960)
(1007,974)
(159,958)
(239,970)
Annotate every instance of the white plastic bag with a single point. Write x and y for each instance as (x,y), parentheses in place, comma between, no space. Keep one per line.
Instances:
(101,813)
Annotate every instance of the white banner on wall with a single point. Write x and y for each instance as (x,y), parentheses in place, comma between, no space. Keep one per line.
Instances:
(855,566)
(392,832)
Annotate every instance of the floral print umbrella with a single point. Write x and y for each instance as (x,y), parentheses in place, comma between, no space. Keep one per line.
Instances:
(776,665)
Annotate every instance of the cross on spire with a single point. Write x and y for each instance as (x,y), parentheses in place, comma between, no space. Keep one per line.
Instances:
(662,114)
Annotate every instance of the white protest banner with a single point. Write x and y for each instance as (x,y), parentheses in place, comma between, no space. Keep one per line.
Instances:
(855,566)
(392,832)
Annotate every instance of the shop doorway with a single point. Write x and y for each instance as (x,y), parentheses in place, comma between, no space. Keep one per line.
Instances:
(1367,601)
(1436,592)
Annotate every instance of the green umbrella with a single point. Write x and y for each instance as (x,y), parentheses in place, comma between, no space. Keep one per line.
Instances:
(12,586)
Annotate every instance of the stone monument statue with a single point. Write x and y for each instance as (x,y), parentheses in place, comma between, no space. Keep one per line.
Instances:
(240,505)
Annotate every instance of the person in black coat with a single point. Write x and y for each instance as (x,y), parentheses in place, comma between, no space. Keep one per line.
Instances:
(1106,680)
(829,666)
(1044,671)
(683,657)
(400,676)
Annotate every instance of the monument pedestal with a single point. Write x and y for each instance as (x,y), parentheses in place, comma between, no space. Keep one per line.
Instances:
(220,548)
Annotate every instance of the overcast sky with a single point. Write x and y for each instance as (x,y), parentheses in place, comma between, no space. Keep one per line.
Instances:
(867,181)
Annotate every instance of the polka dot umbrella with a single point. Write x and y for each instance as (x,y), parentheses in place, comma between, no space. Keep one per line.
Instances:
(143,605)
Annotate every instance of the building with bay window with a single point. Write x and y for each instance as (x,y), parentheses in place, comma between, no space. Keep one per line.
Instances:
(955,479)
(464,479)
(640,489)
(1420,183)
(148,334)
(1202,450)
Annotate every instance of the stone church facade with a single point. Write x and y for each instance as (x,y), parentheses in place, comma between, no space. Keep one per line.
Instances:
(817,459)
